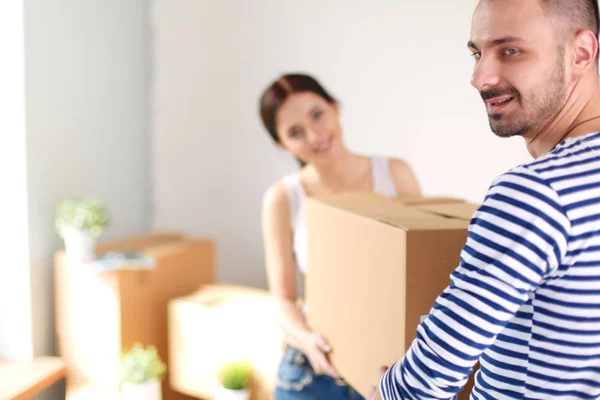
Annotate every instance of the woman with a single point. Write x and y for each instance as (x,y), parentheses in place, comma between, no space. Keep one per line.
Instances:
(303,119)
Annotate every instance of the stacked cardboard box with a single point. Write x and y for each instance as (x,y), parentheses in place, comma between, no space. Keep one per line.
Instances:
(218,325)
(100,314)
(376,267)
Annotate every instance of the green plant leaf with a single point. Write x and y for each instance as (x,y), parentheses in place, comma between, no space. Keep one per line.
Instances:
(236,375)
(141,364)
(81,213)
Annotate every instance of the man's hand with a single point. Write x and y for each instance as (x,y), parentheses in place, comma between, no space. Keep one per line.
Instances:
(375,395)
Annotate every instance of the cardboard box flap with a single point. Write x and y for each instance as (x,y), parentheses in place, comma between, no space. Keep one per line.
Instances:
(423,221)
(393,211)
(360,202)
(219,295)
(462,211)
(425,201)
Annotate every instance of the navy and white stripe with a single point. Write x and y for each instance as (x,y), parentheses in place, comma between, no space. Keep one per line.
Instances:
(525,299)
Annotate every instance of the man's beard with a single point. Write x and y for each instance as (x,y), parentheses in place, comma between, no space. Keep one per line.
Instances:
(547,99)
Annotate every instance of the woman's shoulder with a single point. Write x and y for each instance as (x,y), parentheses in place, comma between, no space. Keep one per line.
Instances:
(399,165)
(402,175)
(281,195)
(396,164)
(276,210)
(275,200)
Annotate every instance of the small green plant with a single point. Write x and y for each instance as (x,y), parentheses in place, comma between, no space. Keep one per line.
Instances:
(139,365)
(236,376)
(81,213)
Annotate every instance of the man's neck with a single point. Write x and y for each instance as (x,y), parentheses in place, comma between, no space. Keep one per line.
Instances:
(575,119)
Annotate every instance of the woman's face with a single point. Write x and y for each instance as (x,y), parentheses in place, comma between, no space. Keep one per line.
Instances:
(309,128)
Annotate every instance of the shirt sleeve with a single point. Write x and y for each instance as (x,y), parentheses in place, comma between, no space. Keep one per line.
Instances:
(517,236)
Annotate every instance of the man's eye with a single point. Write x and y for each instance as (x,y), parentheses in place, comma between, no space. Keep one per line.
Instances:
(510,52)
(476,55)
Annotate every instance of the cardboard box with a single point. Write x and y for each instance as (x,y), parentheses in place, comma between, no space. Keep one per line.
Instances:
(376,265)
(91,392)
(100,314)
(220,324)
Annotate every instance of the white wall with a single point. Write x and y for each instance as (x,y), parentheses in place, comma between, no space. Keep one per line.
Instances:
(400,69)
(15,290)
(87,87)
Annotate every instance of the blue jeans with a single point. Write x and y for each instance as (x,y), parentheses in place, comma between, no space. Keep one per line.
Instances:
(296,380)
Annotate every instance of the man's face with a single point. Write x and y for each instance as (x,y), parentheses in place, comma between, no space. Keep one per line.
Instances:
(519,65)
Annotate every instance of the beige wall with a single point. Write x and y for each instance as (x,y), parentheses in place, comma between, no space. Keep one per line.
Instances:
(400,69)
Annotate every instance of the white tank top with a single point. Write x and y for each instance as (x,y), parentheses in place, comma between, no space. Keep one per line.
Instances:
(383,184)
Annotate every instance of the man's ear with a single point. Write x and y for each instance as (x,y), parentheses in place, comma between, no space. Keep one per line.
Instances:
(585,51)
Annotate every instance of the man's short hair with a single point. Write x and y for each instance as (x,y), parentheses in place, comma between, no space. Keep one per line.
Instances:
(575,15)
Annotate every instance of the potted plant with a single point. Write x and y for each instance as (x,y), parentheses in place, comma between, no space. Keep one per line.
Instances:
(141,374)
(235,381)
(80,221)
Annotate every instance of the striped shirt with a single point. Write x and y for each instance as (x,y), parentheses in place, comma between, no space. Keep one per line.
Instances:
(525,299)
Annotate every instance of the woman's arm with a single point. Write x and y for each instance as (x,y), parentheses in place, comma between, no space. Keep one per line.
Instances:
(281,274)
(405,180)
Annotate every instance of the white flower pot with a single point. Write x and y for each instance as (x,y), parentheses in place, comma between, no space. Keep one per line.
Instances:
(150,390)
(79,244)
(228,394)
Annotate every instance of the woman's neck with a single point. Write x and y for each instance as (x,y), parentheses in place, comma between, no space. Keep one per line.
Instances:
(347,172)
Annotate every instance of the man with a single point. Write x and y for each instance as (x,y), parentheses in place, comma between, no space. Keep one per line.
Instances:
(525,299)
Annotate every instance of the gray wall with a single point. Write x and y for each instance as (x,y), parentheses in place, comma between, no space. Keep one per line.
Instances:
(87,104)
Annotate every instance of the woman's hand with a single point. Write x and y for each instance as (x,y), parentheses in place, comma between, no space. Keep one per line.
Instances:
(317,350)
